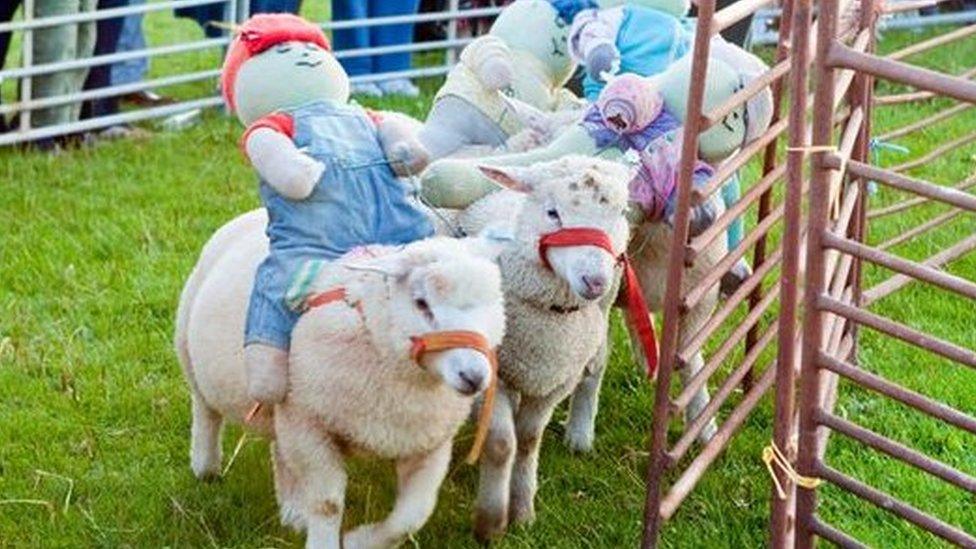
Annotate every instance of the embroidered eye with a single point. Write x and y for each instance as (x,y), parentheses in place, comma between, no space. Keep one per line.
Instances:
(424,307)
(553,214)
(283,49)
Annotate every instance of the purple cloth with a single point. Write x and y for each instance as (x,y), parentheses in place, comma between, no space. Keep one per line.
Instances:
(605,136)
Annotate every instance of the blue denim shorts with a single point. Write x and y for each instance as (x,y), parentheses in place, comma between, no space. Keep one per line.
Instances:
(269,320)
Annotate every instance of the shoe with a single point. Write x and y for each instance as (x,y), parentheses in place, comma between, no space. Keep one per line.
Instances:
(147,99)
(399,86)
(369,89)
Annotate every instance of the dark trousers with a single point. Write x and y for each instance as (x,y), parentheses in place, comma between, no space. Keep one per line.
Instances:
(7,10)
(106,42)
(738,32)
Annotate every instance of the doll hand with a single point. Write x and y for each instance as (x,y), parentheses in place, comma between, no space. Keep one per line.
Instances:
(276,159)
(398,137)
(496,73)
(702,217)
(602,61)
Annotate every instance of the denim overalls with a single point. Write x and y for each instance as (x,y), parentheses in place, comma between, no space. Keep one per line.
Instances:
(357,201)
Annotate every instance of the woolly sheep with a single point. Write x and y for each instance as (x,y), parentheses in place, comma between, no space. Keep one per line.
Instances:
(352,383)
(556,319)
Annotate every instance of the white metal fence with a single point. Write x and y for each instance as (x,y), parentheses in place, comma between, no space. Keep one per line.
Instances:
(235,11)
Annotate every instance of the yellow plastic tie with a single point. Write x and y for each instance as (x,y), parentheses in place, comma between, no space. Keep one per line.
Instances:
(772,455)
(813,149)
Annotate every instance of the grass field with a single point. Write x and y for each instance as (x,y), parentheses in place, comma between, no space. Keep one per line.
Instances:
(94,412)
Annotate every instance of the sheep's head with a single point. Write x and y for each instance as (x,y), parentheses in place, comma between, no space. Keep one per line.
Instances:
(574,192)
(439,285)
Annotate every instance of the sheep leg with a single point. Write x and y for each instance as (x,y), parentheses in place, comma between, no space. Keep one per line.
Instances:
(317,465)
(699,401)
(491,508)
(418,480)
(288,492)
(581,426)
(530,423)
(205,440)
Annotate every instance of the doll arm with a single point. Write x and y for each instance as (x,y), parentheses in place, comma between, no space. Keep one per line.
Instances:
(458,182)
(269,146)
(398,135)
(490,59)
(592,41)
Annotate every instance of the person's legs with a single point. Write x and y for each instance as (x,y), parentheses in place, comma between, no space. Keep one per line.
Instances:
(53,45)
(7,10)
(392,35)
(353,38)
(131,38)
(106,42)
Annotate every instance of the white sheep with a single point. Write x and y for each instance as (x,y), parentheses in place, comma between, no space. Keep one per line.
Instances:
(353,384)
(556,321)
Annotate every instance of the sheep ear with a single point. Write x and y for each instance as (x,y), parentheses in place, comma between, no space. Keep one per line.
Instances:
(490,242)
(506,178)
(394,265)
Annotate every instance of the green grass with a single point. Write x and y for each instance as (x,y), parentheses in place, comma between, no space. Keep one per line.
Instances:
(96,245)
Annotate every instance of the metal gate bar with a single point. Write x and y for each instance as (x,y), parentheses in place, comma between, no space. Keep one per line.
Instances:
(833,307)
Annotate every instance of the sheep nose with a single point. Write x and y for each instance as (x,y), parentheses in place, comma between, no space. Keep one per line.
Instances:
(470,382)
(595,286)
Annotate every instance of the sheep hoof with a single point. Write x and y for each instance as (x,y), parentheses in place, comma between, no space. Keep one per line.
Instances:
(205,469)
(522,512)
(362,537)
(579,441)
(708,432)
(489,524)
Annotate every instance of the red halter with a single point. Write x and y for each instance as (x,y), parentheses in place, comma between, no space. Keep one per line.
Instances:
(636,308)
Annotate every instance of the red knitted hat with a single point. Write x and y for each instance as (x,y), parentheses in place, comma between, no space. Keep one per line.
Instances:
(259,33)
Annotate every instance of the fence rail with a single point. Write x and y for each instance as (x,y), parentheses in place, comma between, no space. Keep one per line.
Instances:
(235,11)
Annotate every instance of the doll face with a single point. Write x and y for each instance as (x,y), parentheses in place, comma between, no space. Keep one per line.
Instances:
(721,82)
(534,26)
(288,75)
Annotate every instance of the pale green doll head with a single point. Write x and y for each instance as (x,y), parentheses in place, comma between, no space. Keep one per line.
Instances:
(287,75)
(722,81)
(677,8)
(535,27)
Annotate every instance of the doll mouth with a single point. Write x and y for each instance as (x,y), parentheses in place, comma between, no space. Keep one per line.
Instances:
(618,122)
(308,63)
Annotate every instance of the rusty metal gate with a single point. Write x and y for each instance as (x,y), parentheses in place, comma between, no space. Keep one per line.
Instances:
(823,218)
(839,308)
(740,330)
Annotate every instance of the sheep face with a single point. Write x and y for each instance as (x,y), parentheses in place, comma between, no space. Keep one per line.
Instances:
(573,192)
(443,284)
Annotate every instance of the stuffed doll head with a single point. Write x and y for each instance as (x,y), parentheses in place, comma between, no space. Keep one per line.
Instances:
(540,28)
(278,61)
(727,73)
(677,8)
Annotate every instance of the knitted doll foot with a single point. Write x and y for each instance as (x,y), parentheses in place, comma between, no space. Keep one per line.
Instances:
(369,89)
(735,277)
(399,86)
(267,373)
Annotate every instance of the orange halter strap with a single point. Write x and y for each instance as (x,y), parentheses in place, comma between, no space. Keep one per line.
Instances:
(433,342)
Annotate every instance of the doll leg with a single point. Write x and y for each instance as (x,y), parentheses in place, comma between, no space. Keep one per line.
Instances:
(267,372)
(453,124)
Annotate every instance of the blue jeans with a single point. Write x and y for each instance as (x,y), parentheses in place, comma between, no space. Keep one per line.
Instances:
(364,37)
(730,195)
(131,39)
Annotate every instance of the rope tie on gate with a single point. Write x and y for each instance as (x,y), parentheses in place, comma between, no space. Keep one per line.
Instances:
(772,455)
